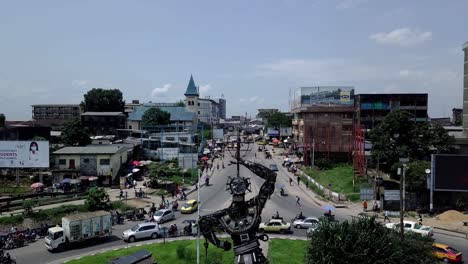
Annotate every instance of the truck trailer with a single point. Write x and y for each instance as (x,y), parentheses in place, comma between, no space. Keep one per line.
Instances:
(78,228)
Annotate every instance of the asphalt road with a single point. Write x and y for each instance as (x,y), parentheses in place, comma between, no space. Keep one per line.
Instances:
(214,197)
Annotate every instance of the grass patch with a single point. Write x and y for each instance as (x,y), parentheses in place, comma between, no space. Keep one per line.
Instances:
(10,220)
(340,178)
(287,251)
(312,186)
(15,190)
(183,252)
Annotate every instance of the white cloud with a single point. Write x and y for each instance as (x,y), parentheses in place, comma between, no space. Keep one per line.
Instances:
(80,83)
(205,88)
(161,91)
(402,37)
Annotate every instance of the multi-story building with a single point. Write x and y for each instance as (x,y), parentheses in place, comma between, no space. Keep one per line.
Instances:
(129,107)
(103,123)
(323,121)
(465,87)
(205,109)
(222,107)
(372,108)
(54,114)
(457,116)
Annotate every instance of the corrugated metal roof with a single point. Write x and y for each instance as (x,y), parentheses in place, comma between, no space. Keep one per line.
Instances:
(178,113)
(82,216)
(92,149)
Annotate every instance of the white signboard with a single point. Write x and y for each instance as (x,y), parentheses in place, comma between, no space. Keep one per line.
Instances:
(392,195)
(24,154)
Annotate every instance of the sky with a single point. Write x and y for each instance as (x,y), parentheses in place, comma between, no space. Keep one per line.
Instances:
(252,52)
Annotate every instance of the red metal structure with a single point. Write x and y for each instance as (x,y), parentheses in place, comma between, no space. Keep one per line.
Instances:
(359,150)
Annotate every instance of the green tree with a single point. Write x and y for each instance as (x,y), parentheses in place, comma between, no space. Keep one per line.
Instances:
(103,100)
(74,134)
(415,175)
(366,241)
(2,120)
(278,119)
(400,136)
(180,103)
(97,199)
(155,117)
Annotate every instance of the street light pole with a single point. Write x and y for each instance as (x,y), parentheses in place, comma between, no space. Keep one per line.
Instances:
(198,217)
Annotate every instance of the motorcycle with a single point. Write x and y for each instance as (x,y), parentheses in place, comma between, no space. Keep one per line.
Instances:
(276,217)
(172,230)
(5,258)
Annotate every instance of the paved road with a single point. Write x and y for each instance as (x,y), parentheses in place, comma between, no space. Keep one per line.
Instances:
(214,197)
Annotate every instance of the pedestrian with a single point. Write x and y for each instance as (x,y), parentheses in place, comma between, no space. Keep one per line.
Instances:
(386,217)
(420,219)
(298,180)
(134,184)
(121,194)
(364,205)
(167,203)
(307,184)
(126,195)
(290,181)
(297,201)
(184,195)
(162,197)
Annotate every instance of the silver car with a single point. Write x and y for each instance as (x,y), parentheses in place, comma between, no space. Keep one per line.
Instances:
(306,223)
(163,215)
(143,230)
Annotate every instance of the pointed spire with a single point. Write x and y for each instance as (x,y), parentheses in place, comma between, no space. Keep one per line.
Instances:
(191,88)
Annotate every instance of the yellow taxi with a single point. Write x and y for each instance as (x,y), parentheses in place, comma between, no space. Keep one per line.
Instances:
(446,254)
(189,207)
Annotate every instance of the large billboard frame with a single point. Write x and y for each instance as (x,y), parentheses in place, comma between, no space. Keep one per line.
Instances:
(24,154)
(434,173)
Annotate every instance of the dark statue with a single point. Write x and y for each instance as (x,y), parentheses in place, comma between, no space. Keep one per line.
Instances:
(242,218)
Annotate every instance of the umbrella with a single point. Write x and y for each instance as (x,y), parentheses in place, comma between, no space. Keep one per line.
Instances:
(135,170)
(135,163)
(74,181)
(328,208)
(83,177)
(205,158)
(92,178)
(37,185)
(66,180)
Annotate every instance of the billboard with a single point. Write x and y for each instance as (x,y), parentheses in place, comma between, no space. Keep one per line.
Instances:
(24,154)
(323,95)
(450,172)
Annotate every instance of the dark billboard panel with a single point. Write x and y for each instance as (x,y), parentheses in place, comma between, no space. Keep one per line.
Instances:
(450,172)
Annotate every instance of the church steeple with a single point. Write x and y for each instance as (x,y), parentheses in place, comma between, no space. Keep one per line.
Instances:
(191,88)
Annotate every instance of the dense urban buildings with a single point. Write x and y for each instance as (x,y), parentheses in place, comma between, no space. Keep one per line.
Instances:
(372,108)
(323,121)
(103,123)
(54,114)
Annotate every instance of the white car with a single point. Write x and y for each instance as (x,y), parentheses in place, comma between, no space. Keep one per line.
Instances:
(143,230)
(306,222)
(163,215)
(412,227)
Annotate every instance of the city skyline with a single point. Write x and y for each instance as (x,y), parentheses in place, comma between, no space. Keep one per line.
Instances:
(253,53)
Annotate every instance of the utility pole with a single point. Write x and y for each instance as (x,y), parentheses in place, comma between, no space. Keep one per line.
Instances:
(198,217)
(402,201)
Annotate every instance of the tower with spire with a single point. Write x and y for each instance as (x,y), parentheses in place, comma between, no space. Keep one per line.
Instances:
(191,97)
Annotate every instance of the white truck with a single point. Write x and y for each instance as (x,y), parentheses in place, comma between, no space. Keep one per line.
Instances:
(79,228)
(412,227)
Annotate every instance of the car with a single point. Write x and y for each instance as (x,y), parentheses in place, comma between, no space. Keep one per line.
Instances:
(273,167)
(275,225)
(306,222)
(412,226)
(189,207)
(446,254)
(140,231)
(163,215)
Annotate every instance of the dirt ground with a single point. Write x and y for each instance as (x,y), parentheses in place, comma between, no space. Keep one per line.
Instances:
(451,220)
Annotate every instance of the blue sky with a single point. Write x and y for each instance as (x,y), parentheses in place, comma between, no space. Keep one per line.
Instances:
(253,52)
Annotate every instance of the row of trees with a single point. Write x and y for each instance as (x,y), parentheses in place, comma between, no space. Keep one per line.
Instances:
(400,136)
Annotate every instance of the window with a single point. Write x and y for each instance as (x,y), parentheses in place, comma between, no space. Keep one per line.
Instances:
(62,162)
(104,162)
(85,160)
(198,104)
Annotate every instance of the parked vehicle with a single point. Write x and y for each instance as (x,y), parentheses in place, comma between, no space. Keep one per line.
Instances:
(275,225)
(163,215)
(412,227)
(446,254)
(79,228)
(273,167)
(189,207)
(140,231)
(305,223)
